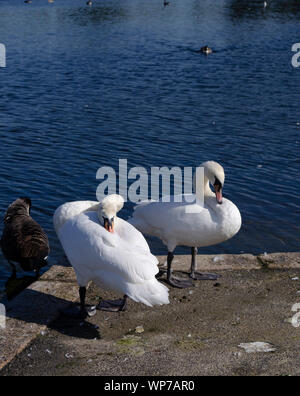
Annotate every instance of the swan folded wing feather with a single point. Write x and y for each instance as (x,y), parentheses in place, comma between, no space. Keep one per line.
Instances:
(232,221)
(174,225)
(71,209)
(167,221)
(133,237)
(88,244)
(131,261)
(150,218)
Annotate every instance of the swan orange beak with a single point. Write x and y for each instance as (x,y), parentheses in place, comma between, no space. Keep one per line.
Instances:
(109,225)
(219,195)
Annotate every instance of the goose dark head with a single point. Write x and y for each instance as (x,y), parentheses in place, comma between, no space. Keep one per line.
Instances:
(20,207)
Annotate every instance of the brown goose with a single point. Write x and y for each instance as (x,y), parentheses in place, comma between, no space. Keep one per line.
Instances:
(23,240)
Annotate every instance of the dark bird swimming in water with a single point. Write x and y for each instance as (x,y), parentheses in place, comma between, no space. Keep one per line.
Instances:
(23,241)
(206,50)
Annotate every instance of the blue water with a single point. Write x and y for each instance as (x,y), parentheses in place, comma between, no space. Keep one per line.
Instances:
(84,87)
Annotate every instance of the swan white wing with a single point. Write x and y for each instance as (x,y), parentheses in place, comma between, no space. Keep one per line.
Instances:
(90,247)
(152,218)
(231,219)
(169,221)
(175,225)
(109,261)
(134,238)
(70,209)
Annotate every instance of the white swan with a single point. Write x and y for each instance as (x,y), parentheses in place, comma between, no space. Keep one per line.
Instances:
(109,251)
(176,225)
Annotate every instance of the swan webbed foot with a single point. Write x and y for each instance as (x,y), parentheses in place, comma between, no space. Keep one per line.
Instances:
(179,283)
(161,273)
(81,311)
(119,305)
(200,275)
(77,312)
(204,276)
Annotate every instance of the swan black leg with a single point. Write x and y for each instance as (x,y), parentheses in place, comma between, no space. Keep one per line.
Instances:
(175,282)
(113,305)
(199,275)
(82,294)
(90,311)
(81,312)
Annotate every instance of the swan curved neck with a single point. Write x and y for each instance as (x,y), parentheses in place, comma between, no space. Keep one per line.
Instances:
(207,190)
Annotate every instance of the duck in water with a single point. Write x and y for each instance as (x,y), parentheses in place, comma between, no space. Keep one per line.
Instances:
(206,50)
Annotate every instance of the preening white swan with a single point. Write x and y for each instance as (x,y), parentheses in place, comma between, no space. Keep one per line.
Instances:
(109,251)
(177,225)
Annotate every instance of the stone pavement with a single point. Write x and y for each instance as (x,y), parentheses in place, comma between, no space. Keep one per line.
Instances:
(199,333)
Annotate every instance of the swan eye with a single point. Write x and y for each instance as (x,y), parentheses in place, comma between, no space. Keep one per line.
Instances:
(106,220)
(217,184)
(108,224)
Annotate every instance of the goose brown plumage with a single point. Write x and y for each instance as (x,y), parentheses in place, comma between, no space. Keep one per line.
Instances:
(23,240)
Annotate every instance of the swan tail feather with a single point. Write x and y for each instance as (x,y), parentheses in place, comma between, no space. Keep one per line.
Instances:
(149,293)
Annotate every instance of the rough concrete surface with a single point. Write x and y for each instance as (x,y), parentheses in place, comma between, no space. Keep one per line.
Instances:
(199,333)
(34,309)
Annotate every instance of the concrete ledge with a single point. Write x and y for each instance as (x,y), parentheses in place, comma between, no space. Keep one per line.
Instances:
(215,262)
(59,274)
(280,260)
(34,309)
